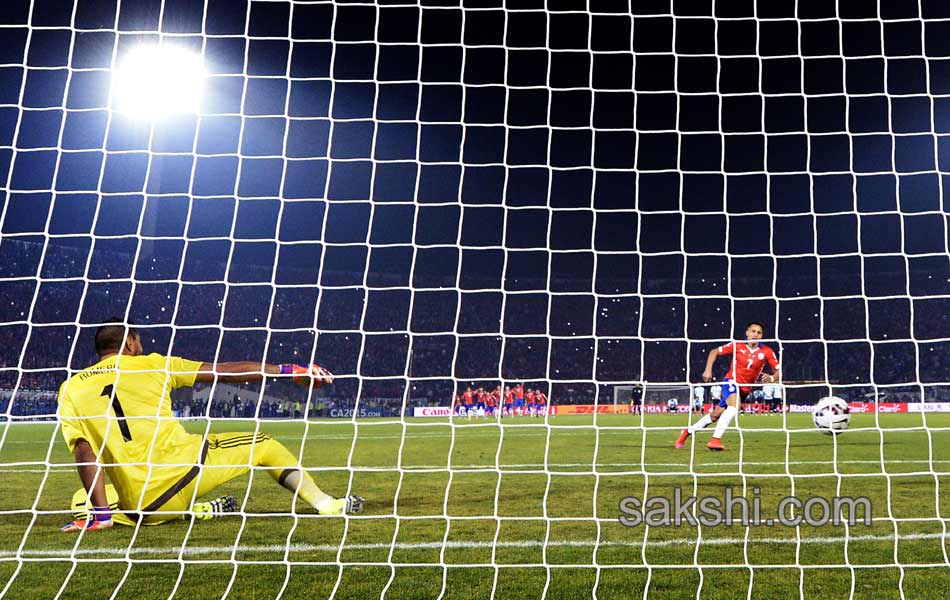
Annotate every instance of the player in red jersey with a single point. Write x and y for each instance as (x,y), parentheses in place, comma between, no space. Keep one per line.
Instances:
(519,399)
(541,401)
(490,404)
(467,402)
(748,361)
(481,404)
(496,401)
(530,409)
(509,398)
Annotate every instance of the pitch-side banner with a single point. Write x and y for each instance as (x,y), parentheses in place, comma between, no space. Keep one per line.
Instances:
(882,407)
(856,407)
(432,411)
(928,407)
(865,407)
(588,409)
(349,413)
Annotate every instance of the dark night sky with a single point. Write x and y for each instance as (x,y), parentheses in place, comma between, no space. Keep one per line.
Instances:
(529,169)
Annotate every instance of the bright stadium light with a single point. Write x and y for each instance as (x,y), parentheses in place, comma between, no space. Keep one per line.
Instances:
(155,81)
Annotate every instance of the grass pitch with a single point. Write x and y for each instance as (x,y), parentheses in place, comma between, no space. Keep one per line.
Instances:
(525,509)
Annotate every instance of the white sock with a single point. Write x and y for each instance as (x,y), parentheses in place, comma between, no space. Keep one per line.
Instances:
(724,419)
(306,489)
(700,424)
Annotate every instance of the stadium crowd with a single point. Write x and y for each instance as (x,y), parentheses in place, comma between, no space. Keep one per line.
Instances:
(390,347)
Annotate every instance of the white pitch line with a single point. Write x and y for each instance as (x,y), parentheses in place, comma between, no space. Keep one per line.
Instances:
(509,431)
(302,548)
(395,436)
(541,429)
(491,467)
(462,433)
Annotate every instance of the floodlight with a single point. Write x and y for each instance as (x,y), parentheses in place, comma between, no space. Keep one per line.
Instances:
(158,80)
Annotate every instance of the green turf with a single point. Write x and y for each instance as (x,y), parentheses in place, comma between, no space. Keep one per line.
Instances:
(528,509)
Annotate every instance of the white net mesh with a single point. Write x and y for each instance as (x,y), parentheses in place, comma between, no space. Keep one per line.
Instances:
(584,198)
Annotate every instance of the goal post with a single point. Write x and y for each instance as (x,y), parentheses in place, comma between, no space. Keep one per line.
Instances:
(653,393)
(624,394)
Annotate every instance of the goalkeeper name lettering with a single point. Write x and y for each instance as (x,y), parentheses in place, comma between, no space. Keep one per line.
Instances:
(736,508)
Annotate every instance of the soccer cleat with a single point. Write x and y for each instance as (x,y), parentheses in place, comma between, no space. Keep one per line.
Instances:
(218,507)
(715,444)
(80,524)
(681,440)
(347,505)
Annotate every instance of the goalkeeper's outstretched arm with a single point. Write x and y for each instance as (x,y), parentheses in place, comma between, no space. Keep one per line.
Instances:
(241,371)
(116,337)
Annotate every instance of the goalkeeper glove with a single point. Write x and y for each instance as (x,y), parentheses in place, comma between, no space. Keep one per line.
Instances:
(305,375)
(101,518)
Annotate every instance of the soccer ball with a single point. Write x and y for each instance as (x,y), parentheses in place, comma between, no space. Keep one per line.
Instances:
(832,415)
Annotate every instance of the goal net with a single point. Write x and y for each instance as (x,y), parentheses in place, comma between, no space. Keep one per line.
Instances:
(552,212)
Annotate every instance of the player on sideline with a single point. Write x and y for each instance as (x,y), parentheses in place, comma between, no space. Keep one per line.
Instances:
(747,366)
(116,417)
(715,395)
(768,396)
(636,397)
(699,394)
(773,397)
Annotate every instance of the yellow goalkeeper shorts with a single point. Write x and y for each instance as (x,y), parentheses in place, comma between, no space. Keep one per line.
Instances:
(224,456)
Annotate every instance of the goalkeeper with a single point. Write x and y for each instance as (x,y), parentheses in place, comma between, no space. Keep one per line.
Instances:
(116,417)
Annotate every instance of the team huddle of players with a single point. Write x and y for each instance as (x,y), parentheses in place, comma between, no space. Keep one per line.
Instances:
(514,401)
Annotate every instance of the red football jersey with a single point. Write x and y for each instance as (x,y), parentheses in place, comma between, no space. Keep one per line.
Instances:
(540,398)
(529,397)
(748,362)
(509,396)
(467,397)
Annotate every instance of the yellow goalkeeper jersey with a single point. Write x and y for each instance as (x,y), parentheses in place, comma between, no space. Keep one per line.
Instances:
(122,407)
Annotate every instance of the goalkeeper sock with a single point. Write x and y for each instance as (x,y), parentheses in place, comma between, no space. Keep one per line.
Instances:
(700,424)
(286,471)
(724,421)
(301,483)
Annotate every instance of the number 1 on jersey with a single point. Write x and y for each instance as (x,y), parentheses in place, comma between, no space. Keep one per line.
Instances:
(119,413)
